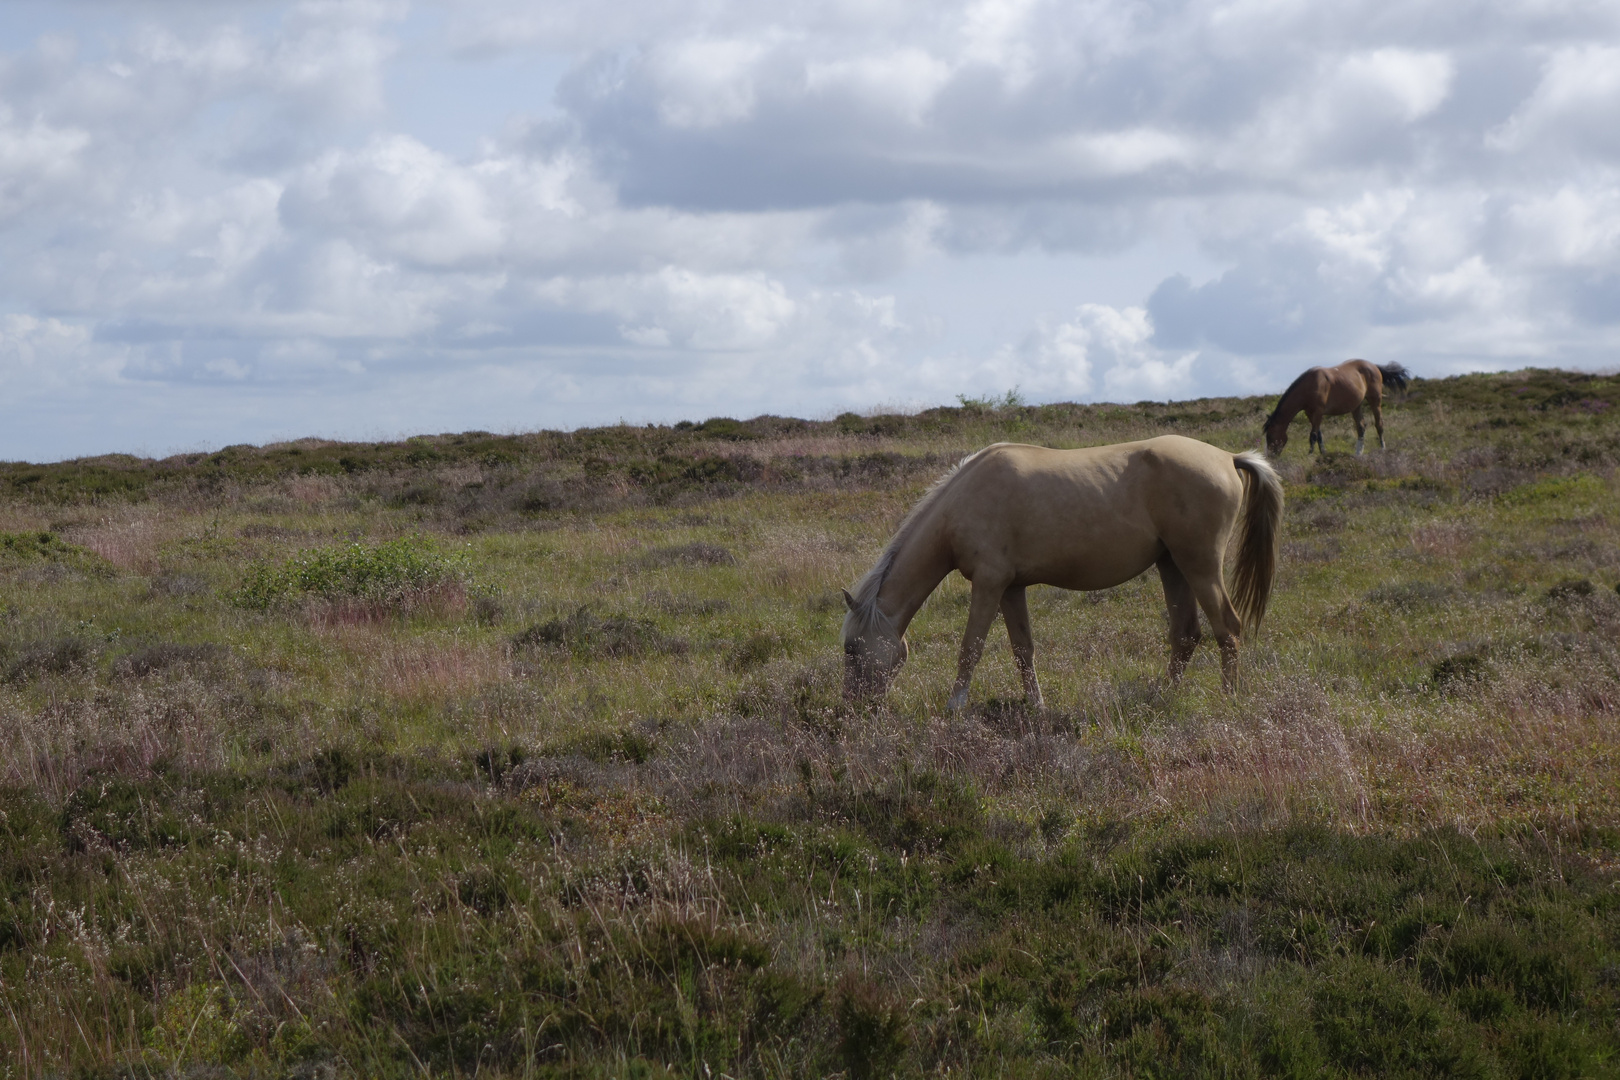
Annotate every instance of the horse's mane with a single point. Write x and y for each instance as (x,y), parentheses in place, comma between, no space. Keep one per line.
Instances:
(864,615)
(1274,412)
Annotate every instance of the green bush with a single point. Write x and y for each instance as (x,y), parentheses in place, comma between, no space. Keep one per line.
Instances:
(1563,490)
(19,548)
(390,572)
(586,635)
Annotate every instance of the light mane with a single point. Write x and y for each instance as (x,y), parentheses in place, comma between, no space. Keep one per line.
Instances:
(864,615)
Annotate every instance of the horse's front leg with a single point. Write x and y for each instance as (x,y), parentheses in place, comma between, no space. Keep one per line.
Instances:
(981,613)
(1015,612)
(1317,442)
(1182,607)
(1361,429)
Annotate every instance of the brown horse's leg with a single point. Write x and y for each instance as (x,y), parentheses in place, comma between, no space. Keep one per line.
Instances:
(1015,612)
(1378,420)
(1183,609)
(981,613)
(1361,429)
(1316,432)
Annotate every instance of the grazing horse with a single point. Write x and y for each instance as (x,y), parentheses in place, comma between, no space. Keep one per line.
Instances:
(1334,391)
(1011,516)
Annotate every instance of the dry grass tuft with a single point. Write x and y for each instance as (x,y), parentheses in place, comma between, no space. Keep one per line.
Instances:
(443,600)
(131,542)
(177,725)
(1283,757)
(432,667)
(1441,539)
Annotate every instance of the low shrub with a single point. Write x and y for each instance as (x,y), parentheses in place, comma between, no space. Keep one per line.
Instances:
(1570,589)
(671,604)
(756,649)
(586,635)
(179,586)
(1410,596)
(393,573)
(152,659)
(694,554)
(1452,671)
(60,656)
(1564,490)
(23,548)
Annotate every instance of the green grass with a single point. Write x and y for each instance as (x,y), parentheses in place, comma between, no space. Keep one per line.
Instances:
(524,755)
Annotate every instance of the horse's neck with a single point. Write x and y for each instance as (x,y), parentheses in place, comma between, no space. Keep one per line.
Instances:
(1287,409)
(919,566)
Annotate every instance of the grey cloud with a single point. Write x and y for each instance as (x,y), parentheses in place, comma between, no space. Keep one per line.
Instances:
(1250,310)
(730,208)
(1168,104)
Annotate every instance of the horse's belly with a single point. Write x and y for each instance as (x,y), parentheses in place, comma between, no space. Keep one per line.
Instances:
(1097,571)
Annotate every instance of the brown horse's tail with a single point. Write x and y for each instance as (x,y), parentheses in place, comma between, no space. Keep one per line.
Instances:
(1394,375)
(1258,538)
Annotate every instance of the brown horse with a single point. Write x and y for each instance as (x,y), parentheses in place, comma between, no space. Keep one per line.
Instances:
(1334,391)
(1011,516)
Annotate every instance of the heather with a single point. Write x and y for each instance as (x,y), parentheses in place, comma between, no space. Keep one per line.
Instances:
(525,755)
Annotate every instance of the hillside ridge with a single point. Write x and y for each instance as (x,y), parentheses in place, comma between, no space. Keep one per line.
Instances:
(664,460)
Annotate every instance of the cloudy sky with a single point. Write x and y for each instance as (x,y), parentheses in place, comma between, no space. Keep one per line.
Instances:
(227,221)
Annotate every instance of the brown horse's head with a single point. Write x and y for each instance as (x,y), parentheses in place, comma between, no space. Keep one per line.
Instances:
(1276,435)
(873,651)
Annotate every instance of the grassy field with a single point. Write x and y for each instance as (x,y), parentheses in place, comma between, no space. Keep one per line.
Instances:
(524,756)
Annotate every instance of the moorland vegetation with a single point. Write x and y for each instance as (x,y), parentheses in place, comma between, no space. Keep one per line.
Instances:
(524,755)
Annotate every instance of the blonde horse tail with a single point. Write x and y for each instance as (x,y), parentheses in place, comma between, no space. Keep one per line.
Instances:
(1258,539)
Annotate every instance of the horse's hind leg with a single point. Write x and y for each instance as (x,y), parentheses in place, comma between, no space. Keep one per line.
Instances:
(981,613)
(1361,430)
(1183,608)
(1378,421)
(1015,612)
(1223,620)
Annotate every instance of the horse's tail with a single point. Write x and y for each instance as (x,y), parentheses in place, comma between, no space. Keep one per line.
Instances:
(1395,375)
(1258,538)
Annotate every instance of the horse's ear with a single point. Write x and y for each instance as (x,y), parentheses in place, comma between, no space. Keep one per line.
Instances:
(849,601)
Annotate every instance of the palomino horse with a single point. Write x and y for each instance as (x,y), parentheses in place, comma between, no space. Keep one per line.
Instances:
(1011,516)
(1334,391)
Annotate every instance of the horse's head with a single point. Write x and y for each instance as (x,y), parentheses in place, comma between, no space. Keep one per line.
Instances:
(1276,435)
(873,651)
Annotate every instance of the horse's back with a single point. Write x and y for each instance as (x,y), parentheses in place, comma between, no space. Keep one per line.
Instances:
(1108,467)
(1092,517)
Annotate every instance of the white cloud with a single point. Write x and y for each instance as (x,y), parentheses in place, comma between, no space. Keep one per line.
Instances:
(1568,227)
(1404,83)
(995,33)
(702,311)
(1573,108)
(902,82)
(34,159)
(706,83)
(1123,153)
(403,199)
(41,356)
(732,206)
